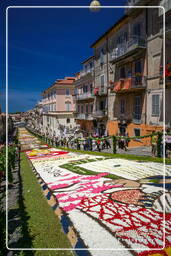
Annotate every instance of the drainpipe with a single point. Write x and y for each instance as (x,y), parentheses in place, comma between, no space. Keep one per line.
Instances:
(146,91)
(107,50)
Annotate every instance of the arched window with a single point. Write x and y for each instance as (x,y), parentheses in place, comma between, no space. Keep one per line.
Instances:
(68,106)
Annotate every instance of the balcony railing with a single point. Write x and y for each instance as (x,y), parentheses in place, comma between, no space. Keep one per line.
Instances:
(84,96)
(86,72)
(133,83)
(100,113)
(132,3)
(100,91)
(136,119)
(83,116)
(127,47)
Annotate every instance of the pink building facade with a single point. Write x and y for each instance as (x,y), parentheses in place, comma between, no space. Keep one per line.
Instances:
(58,108)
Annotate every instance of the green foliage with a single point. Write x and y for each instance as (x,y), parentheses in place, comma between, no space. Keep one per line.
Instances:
(159,141)
(3,250)
(114,144)
(124,156)
(41,227)
(11,158)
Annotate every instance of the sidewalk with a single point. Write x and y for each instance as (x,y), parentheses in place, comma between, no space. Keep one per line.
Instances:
(138,151)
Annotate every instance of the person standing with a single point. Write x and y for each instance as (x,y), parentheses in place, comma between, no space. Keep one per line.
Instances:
(98,145)
(153,144)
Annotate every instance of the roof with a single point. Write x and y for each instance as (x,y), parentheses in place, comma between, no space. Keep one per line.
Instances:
(89,58)
(110,29)
(65,81)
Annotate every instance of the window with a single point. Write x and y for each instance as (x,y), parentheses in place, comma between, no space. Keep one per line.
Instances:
(155,104)
(68,106)
(85,68)
(102,80)
(137,29)
(67,92)
(86,108)
(91,108)
(78,108)
(75,91)
(91,88)
(102,105)
(138,72)
(137,132)
(101,56)
(122,72)
(138,66)
(137,108)
(85,89)
(68,120)
(125,36)
(122,106)
(82,108)
(91,65)
(122,38)
(119,40)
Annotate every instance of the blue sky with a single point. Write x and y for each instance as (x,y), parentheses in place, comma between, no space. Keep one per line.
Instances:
(46,44)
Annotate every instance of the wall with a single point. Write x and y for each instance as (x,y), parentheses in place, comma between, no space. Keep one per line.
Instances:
(112,127)
(62,98)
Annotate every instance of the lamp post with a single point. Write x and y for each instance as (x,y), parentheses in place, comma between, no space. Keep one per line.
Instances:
(94,6)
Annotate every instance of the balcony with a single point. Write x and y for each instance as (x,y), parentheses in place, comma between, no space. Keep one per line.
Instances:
(100,91)
(87,72)
(134,3)
(130,84)
(136,120)
(167,74)
(84,96)
(100,113)
(83,116)
(128,48)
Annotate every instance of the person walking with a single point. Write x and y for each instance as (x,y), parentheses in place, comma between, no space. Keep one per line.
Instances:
(98,142)
(107,144)
(153,144)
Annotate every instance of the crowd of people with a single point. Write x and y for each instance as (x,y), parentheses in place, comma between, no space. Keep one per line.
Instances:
(165,144)
(86,144)
(96,143)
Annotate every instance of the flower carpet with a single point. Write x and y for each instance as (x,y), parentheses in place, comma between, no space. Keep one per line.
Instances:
(29,141)
(107,206)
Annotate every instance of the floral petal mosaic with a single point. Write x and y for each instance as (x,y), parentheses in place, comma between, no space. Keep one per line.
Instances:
(108,203)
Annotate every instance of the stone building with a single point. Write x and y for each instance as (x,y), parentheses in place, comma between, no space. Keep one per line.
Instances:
(100,114)
(128,64)
(84,97)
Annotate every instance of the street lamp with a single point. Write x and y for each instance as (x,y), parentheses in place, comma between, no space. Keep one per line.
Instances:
(94,6)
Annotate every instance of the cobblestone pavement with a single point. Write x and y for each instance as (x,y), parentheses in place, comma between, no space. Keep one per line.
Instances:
(139,151)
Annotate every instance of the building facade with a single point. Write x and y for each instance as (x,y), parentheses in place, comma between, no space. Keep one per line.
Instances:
(84,97)
(128,62)
(58,108)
